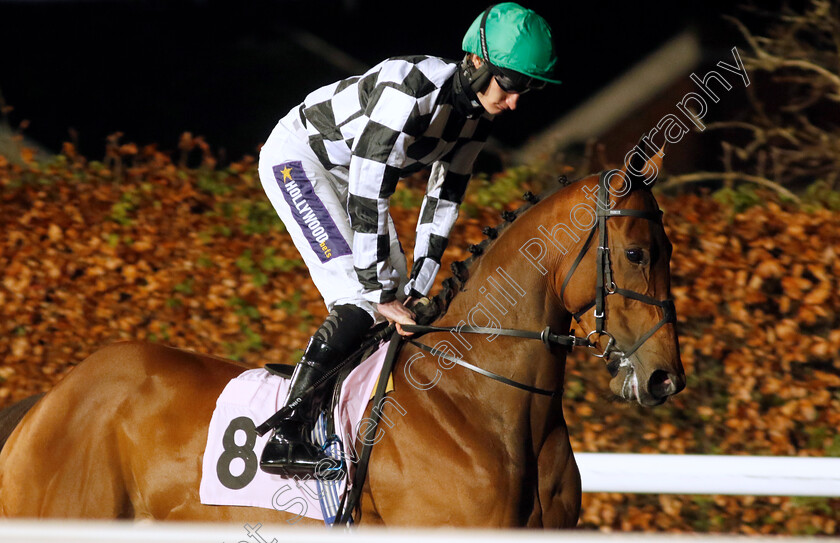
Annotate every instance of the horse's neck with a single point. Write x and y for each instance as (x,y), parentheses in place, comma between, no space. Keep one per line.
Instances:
(506,290)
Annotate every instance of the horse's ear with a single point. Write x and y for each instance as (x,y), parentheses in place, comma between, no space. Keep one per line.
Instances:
(643,164)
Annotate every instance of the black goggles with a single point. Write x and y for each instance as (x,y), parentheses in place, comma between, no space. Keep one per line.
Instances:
(516,83)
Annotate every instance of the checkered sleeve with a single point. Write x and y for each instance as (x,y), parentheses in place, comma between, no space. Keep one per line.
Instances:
(446,188)
(391,116)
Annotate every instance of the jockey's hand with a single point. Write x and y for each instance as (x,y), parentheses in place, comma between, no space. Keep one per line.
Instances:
(397,313)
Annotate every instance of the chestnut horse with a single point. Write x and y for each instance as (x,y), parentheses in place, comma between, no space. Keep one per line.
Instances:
(123,434)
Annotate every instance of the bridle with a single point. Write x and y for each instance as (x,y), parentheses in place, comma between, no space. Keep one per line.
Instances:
(605,285)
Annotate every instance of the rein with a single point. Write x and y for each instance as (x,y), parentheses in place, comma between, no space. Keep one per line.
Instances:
(546,336)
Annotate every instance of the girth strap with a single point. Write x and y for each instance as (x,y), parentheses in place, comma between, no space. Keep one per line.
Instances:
(350,500)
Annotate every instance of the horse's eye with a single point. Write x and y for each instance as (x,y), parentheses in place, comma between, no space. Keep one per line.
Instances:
(635,255)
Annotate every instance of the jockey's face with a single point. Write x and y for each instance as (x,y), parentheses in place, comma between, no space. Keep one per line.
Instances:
(494,99)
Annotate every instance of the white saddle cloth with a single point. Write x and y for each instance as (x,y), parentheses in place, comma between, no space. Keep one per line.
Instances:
(230,468)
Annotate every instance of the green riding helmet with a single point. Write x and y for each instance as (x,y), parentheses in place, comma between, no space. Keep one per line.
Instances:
(517,39)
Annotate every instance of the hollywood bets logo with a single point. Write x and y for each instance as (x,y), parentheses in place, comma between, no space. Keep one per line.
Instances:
(306,215)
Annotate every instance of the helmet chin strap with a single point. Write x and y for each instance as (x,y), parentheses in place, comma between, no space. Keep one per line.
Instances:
(477,79)
(472,80)
(481,75)
(468,83)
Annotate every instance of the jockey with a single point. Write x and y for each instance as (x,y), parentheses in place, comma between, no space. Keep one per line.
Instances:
(331,164)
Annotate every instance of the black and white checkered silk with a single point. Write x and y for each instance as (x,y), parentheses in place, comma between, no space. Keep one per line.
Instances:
(374,129)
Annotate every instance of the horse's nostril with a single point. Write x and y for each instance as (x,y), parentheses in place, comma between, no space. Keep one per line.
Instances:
(661,385)
(679,382)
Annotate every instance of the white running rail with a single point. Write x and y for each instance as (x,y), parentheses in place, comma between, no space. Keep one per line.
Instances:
(600,472)
(709,474)
(164,532)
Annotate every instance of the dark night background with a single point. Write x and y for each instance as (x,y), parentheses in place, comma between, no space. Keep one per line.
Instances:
(228,70)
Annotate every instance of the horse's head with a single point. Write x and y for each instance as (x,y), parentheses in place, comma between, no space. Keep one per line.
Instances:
(621,295)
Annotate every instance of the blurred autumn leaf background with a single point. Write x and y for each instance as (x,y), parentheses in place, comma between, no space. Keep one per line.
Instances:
(181,247)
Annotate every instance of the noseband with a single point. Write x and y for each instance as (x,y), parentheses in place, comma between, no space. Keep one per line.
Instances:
(605,285)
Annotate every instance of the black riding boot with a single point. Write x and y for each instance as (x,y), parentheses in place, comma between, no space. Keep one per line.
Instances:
(290,451)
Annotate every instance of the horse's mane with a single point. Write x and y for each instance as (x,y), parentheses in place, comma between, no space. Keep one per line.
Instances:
(452,285)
